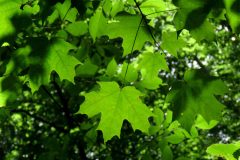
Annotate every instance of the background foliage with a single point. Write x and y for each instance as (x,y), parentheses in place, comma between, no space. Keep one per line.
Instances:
(119,79)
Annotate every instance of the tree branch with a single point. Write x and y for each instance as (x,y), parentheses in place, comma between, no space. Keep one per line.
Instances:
(51,124)
(64,103)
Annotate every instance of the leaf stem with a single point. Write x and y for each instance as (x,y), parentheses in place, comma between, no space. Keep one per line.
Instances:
(135,38)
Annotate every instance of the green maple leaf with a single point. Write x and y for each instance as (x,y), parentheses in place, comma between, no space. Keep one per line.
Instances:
(78,28)
(128,72)
(124,26)
(53,56)
(116,105)
(171,43)
(192,15)
(88,69)
(150,63)
(97,24)
(65,11)
(195,95)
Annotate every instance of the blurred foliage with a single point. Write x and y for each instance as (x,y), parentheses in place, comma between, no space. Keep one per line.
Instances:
(44,124)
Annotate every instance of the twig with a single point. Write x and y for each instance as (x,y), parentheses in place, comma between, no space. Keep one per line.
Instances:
(51,124)
(64,103)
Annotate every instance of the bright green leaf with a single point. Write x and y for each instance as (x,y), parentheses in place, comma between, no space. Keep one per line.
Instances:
(171,43)
(224,150)
(126,27)
(157,4)
(97,24)
(116,105)
(112,68)
(128,72)
(88,69)
(202,124)
(176,138)
(78,28)
(63,9)
(150,64)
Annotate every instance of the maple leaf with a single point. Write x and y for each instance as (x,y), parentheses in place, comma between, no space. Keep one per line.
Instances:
(124,26)
(97,24)
(171,43)
(116,105)
(195,95)
(48,56)
(193,15)
(77,28)
(150,64)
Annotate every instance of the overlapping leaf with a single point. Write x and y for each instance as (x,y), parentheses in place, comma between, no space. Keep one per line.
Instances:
(195,95)
(116,105)
(192,15)
(48,56)
(124,26)
(171,43)
(150,64)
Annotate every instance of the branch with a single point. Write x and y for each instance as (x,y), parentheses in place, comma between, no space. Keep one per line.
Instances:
(146,22)
(200,64)
(50,95)
(64,103)
(51,124)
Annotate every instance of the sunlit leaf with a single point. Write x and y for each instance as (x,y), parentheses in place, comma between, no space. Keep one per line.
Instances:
(116,105)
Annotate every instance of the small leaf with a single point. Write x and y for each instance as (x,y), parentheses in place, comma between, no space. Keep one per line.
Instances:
(88,69)
(171,43)
(63,9)
(176,138)
(112,68)
(202,124)
(150,64)
(78,28)
(97,24)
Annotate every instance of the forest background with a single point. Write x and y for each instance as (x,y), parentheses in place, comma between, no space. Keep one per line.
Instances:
(119,79)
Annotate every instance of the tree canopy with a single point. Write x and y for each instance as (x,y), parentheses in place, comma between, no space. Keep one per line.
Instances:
(119,79)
